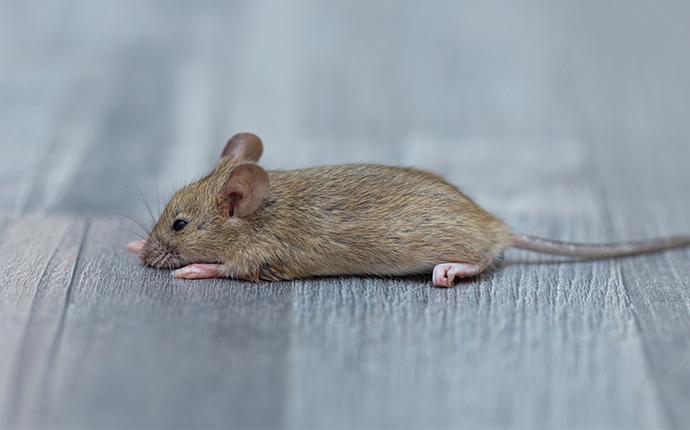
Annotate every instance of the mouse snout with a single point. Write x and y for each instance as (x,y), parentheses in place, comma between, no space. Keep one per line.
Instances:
(161,255)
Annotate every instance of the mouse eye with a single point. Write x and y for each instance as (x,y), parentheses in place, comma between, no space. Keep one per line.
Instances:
(179,224)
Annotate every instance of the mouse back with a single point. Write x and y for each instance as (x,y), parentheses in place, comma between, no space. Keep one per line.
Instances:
(379,219)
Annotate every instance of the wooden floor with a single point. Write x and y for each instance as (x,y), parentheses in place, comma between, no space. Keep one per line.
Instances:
(567,119)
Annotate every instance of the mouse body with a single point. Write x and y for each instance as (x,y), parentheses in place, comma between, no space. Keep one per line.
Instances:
(241,221)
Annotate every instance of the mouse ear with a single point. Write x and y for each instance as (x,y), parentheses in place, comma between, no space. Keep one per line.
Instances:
(244,190)
(243,147)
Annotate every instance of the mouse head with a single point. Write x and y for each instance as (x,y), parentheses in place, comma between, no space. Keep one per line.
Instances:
(204,220)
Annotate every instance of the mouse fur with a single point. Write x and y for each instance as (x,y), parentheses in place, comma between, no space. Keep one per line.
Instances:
(347,219)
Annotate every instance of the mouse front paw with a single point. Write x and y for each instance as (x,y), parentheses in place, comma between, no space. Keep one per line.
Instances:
(199,271)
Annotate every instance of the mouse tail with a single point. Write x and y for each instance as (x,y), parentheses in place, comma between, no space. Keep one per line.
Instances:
(587,250)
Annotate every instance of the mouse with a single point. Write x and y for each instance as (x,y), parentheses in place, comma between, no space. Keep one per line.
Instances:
(244,222)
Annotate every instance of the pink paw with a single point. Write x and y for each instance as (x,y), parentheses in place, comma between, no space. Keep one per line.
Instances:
(445,274)
(198,271)
(136,247)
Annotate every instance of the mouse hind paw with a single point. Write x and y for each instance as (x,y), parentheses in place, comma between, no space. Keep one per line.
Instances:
(445,273)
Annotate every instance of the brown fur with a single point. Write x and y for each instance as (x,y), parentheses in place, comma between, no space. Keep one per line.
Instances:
(333,220)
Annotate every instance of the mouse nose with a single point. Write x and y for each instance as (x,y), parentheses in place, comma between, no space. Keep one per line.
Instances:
(148,254)
(160,255)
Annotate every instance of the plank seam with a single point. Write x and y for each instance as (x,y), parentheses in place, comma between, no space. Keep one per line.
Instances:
(63,317)
(16,385)
(645,351)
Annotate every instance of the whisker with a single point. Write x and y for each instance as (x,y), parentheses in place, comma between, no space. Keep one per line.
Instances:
(136,221)
(158,260)
(136,233)
(158,197)
(140,194)
(162,260)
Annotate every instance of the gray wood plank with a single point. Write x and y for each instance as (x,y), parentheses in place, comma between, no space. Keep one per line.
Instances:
(40,257)
(110,344)
(81,349)
(658,286)
(136,348)
(642,149)
(527,348)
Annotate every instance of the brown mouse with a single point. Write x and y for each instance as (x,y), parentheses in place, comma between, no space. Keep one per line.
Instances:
(241,221)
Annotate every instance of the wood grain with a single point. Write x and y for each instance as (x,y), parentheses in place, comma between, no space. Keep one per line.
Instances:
(568,120)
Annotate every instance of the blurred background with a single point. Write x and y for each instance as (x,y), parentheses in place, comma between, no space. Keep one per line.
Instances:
(568,119)
(520,98)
